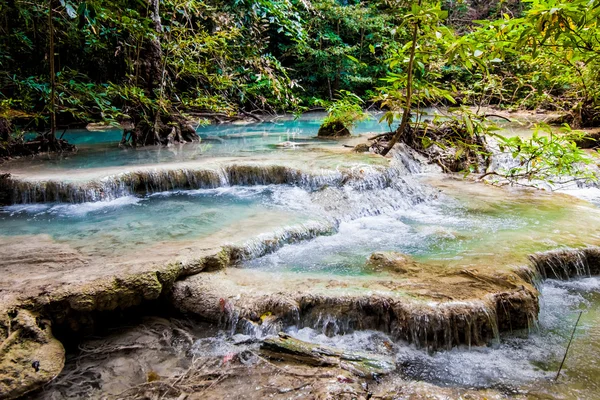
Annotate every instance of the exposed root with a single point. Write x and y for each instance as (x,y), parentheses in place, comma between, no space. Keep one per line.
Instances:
(451,145)
(582,115)
(167,129)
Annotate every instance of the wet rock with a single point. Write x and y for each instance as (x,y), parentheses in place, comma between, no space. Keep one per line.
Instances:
(29,355)
(590,141)
(433,308)
(99,127)
(362,148)
(391,262)
(567,263)
(6,189)
(333,130)
(121,292)
(239,339)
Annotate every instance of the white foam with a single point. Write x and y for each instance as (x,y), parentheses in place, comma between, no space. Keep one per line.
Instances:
(516,360)
(72,210)
(591,194)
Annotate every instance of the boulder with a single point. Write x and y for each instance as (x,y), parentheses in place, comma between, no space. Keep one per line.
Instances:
(333,129)
(29,355)
(362,148)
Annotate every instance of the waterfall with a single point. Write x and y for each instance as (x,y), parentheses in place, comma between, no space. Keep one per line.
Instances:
(268,243)
(361,177)
(566,263)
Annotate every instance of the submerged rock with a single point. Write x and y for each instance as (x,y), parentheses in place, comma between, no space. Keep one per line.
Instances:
(391,262)
(362,148)
(289,144)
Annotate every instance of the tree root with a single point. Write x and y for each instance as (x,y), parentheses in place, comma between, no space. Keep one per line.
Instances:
(166,130)
(449,145)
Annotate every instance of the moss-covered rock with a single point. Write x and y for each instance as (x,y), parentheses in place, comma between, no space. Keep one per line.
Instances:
(29,355)
(333,129)
(362,148)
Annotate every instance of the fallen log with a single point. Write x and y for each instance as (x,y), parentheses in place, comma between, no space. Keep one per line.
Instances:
(287,348)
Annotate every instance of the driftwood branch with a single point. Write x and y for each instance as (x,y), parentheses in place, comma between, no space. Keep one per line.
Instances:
(288,348)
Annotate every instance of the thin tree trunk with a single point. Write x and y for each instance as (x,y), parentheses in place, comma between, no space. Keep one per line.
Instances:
(156,65)
(52,74)
(409,89)
(336,82)
(154,55)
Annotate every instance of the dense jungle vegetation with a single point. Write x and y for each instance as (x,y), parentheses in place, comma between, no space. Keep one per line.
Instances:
(158,67)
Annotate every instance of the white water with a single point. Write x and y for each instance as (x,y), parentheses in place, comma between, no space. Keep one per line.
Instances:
(514,363)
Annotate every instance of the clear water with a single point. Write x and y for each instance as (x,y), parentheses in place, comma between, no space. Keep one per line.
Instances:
(132,223)
(458,226)
(100,148)
(452,229)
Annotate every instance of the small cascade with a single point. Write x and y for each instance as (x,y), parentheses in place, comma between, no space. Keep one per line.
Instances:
(251,175)
(567,263)
(407,161)
(360,177)
(155,181)
(112,187)
(432,326)
(268,243)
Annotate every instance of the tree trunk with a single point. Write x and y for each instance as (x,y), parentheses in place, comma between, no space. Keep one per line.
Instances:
(409,87)
(285,347)
(162,127)
(5,129)
(153,50)
(52,137)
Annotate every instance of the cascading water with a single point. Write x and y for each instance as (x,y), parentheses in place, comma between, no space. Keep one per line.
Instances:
(318,227)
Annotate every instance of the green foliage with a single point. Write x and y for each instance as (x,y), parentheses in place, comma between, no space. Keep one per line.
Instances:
(346,110)
(344,46)
(216,57)
(428,63)
(548,57)
(287,55)
(546,156)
